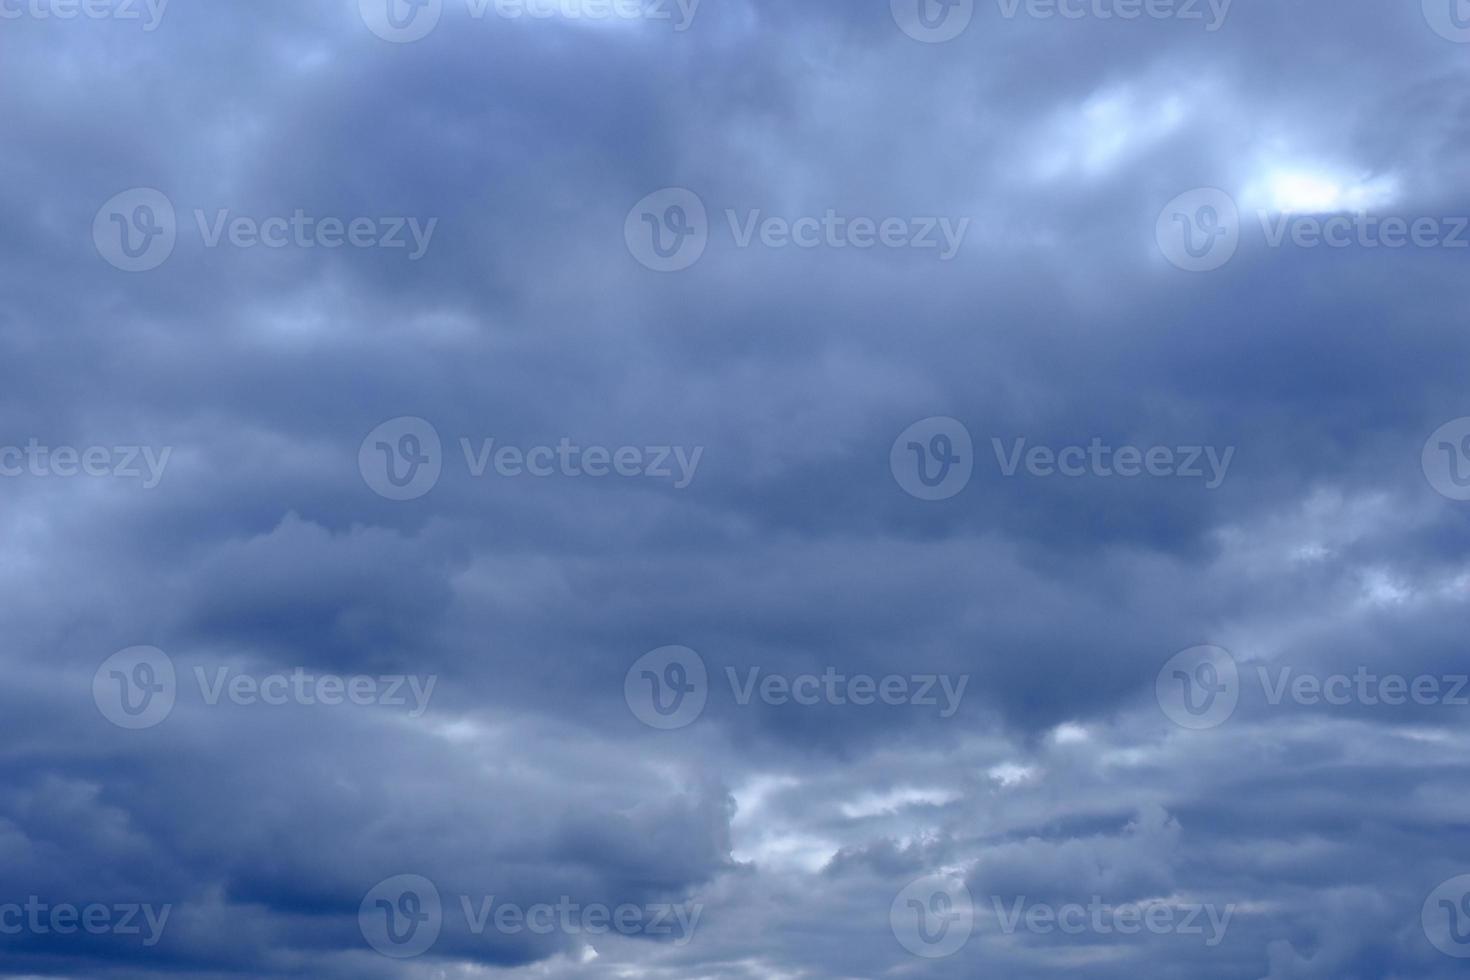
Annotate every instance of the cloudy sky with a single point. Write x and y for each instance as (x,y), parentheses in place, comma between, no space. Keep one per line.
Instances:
(646,489)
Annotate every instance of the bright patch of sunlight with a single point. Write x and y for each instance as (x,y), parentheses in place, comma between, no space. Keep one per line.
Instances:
(1301,190)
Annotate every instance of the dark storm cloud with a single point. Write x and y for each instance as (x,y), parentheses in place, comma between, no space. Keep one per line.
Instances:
(792,550)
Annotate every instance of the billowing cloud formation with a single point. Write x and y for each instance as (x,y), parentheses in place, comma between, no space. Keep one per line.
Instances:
(388,379)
